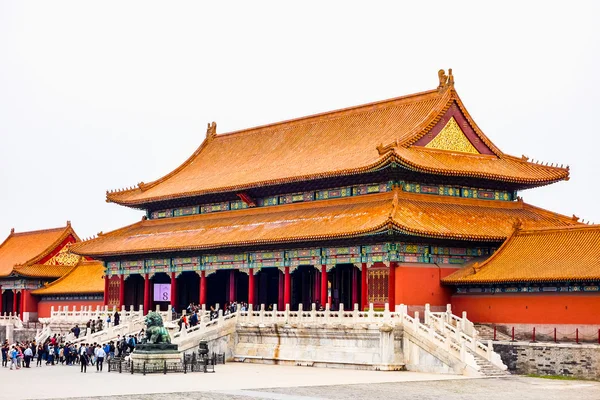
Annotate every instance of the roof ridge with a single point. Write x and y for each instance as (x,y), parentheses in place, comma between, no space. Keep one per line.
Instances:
(38,231)
(341,111)
(552,213)
(212,138)
(554,229)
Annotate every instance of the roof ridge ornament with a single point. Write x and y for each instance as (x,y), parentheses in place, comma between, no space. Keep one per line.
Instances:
(446,81)
(211,131)
(518,225)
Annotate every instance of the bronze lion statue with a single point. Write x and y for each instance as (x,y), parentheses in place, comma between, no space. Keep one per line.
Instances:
(156,333)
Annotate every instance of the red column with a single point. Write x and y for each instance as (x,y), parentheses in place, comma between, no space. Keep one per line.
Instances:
(146,293)
(0,300)
(280,305)
(363,287)
(121,290)
(324,299)
(392,286)
(14,309)
(286,287)
(173,290)
(202,287)
(22,306)
(232,285)
(354,286)
(106,283)
(251,286)
(316,288)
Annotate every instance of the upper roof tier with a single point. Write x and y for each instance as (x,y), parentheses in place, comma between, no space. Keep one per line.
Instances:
(38,253)
(406,213)
(565,254)
(84,278)
(428,132)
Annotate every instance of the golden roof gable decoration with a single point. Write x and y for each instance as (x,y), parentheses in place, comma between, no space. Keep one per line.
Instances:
(352,140)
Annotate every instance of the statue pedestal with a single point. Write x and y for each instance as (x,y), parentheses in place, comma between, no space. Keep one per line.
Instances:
(156,354)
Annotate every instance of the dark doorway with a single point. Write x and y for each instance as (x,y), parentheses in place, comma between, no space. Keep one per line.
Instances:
(344,278)
(134,291)
(188,289)
(217,288)
(303,287)
(7,301)
(241,286)
(267,287)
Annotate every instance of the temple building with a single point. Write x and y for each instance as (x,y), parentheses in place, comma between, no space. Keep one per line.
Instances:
(82,286)
(28,260)
(376,203)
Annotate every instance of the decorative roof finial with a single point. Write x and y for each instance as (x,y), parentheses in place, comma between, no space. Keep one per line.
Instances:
(211,130)
(12,230)
(518,225)
(445,80)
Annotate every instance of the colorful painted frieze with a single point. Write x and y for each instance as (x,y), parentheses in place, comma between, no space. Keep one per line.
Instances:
(372,188)
(182,212)
(296,198)
(333,193)
(209,208)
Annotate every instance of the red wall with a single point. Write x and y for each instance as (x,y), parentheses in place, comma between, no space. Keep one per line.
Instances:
(419,284)
(44,307)
(530,308)
(29,302)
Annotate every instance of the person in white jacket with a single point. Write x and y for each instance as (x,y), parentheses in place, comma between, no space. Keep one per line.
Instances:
(100,356)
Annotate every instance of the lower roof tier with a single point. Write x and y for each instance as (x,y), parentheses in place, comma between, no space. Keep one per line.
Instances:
(566,254)
(84,278)
(406,213)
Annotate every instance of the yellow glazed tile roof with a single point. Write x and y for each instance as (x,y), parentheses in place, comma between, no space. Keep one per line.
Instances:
(28,248)
(42,270)
(342,142)
(409,213)
(539,255)
(84,278)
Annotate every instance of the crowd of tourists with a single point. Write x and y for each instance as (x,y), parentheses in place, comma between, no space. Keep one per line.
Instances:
(56,351)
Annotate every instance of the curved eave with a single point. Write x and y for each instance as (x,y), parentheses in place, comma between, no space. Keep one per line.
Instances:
(565,280)
(378,229)
(378,164)
(480,175)
(381,228)
(392,157)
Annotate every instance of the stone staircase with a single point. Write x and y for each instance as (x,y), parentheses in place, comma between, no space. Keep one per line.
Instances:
(488,369)
(486,332)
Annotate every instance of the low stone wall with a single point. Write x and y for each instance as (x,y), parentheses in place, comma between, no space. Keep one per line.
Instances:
(16,335)
(579,361)
(340,347)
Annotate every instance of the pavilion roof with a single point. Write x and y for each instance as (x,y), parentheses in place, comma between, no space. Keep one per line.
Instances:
(559,254)
(24,251)
(84,278)
(342,142)
(409,213)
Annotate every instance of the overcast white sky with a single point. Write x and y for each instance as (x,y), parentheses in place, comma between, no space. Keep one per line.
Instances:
(102,95)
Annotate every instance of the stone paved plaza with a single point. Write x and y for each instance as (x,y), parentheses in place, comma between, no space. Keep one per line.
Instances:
(254,381)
